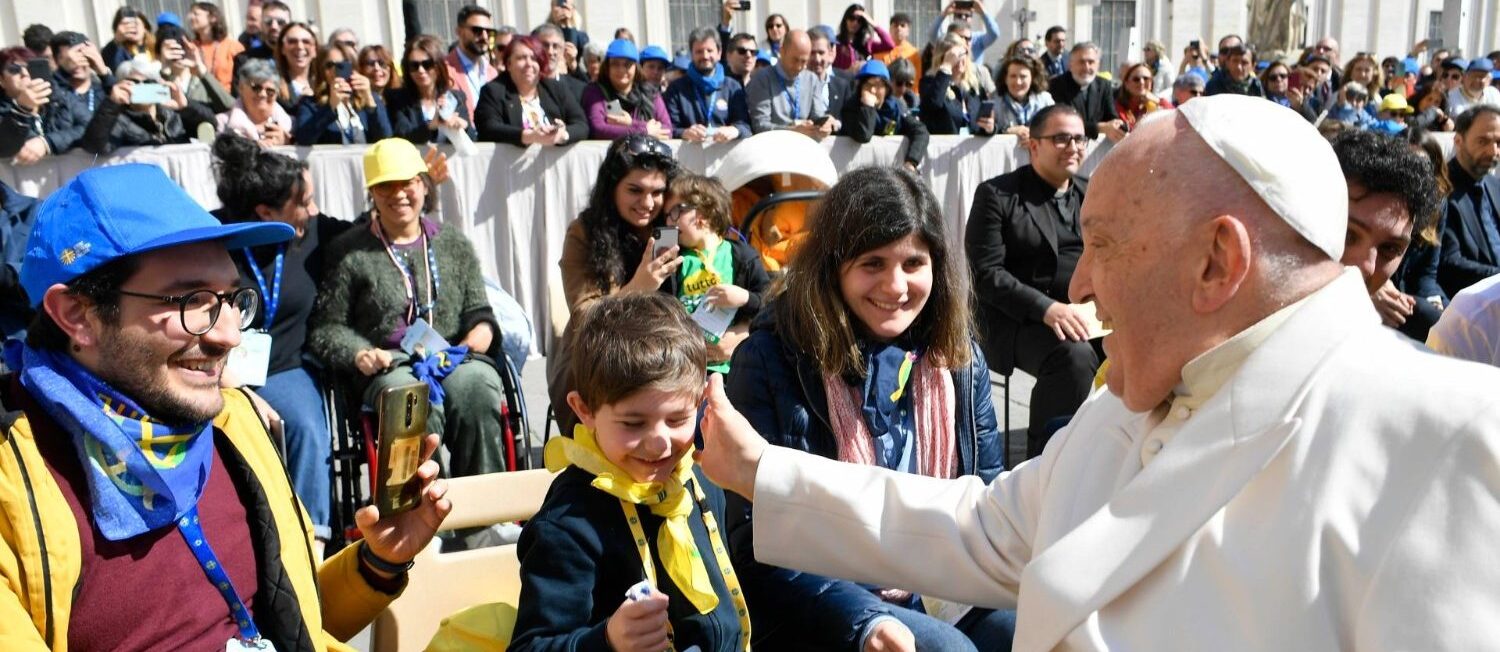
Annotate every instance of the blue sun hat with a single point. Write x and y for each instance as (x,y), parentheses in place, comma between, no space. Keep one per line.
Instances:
(622,49)
(655,53)
(874,68)
(121,210)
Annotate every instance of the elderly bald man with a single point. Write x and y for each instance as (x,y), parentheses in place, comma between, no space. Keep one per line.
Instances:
(1271,469)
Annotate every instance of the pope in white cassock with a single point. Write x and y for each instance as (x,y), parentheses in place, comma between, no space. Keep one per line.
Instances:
(1271,468)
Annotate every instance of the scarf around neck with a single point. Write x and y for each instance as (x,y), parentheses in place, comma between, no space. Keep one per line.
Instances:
(669,500)
(142,474)
(932,401)
(707,85)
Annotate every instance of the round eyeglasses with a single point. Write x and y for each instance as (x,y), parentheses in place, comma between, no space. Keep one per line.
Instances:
(199,310)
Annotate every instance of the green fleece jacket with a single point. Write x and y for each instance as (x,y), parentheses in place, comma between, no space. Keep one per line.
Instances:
(363,296)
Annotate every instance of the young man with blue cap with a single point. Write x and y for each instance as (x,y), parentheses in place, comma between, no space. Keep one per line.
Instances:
(706,104)
(654,63)
(127,470)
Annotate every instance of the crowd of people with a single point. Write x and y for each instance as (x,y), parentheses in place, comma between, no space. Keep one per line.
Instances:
(870,341)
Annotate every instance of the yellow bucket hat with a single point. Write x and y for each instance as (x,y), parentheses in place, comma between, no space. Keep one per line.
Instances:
(392,159)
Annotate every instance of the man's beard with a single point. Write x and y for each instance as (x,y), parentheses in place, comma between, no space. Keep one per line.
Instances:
(126,366)
(1086,80)
(476,48)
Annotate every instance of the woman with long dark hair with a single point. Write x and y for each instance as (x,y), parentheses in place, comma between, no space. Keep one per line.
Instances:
(296,56)
(866,356)
(260,185)
(620,103)
(859,39)
(609,248)
(427,101)
(521,107)
(341,110)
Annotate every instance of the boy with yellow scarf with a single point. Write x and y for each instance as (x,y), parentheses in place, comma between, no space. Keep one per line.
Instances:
(629,504)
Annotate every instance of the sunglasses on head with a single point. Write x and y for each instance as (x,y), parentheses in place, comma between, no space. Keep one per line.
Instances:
(643,145)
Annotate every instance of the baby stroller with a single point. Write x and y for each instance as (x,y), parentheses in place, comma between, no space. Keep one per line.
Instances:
(773,178)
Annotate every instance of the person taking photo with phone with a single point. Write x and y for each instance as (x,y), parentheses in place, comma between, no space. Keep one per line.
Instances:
(620,103)
(859,39)
(609,248)
(36,119)
(138,112)
(342,110)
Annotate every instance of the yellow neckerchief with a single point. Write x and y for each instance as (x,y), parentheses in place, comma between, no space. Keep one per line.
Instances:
(669,500)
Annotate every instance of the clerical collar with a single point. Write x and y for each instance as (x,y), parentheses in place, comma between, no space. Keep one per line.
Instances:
(1203,376)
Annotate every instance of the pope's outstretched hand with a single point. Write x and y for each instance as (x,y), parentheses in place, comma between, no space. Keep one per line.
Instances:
(731,447)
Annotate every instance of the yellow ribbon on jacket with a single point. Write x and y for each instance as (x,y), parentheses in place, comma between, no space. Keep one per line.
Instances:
(669,500)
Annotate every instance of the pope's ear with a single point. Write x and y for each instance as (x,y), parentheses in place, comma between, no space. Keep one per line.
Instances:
(1226,264)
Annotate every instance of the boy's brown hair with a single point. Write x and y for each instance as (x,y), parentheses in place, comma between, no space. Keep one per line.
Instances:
(705,194)
(629,341)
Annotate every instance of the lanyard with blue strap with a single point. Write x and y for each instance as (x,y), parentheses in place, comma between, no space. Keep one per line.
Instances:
(793,94)
(272,294)
(705,102)
(192,533)
(408,277)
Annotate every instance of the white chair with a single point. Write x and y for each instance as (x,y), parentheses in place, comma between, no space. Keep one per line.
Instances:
(440,584)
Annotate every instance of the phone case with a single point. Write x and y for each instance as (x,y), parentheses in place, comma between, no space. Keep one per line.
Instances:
(401,414)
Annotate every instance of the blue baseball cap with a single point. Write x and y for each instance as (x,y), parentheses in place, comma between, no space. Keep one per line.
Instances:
(122,210)
(1455,62)
(168,18)
(682,62)
(1480,64)
(764,57)
(1411,67)
(874,68)
(622,49)
(655,53)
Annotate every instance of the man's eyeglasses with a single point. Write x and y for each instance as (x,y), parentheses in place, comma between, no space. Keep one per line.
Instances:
(749,52)
(199,311)
(1061,141)
(480,30)
(1453,74)
(268,21)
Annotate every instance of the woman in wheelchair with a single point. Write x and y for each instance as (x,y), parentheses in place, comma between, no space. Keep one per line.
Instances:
(404,301)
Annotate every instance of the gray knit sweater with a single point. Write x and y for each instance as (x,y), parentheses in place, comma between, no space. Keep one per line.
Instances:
(363,295)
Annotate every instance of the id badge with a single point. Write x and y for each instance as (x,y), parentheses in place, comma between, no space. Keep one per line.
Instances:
(242,645)
(251,360)
(421,340)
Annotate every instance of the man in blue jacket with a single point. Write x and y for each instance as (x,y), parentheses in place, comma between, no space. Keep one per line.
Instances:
(707,105)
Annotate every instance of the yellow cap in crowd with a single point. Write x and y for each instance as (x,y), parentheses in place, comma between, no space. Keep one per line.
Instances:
(392,159)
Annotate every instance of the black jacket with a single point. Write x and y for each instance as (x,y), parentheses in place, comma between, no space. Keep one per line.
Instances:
(115,125)
(780,391)
(944,115)
(498,114)
(404,108)
(840,85)
(749,273)
(61,122)
(686,110)
(1011,242)
(578,557)
(1467,256)
(1096,103)
(861,123)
